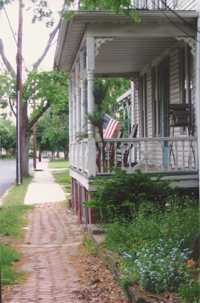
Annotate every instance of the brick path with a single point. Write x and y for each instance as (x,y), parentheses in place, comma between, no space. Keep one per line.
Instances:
(51,243)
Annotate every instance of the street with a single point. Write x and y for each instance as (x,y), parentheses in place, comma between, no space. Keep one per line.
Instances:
(8,174)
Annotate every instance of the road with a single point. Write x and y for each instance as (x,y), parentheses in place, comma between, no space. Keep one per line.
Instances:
(8,174)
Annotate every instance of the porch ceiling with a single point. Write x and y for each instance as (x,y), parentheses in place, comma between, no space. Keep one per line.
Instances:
(132,45)
(128,56)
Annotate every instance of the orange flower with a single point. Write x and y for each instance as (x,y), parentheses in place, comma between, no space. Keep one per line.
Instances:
(134,245)
(190,262)
(144,241)
(166,230)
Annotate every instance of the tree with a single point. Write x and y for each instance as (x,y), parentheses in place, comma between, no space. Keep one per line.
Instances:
(47,88)
(53,132)
(7,135)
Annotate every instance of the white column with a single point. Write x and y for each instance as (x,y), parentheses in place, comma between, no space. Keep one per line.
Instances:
(198,91)
(90,99)
(70,111)
(90,81)
(74,116)
(83,98)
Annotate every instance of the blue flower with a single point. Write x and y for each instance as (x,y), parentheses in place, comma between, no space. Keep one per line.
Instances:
(171,269)
(147,250)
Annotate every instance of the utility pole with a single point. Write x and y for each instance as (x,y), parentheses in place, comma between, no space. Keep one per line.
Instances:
(34,143)
(19,176)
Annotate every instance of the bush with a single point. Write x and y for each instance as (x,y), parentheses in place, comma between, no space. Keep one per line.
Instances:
(153,251)
(121,195)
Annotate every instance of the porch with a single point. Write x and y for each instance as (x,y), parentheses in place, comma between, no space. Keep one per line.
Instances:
(170,156)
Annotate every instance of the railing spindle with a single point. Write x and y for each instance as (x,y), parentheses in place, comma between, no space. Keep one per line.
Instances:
(176,155)
(183,155)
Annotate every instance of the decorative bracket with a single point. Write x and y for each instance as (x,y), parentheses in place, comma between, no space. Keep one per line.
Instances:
(191,42)
(98,42)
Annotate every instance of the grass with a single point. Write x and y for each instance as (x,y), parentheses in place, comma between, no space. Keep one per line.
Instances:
(8,256)
(153,248)
(64,179)
(11,223)
(59,163)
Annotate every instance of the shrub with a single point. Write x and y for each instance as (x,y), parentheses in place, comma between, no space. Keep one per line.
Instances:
(153,251)
(121,195)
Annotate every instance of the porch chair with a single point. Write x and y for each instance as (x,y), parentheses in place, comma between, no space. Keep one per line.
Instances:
(112,150)
(127,149)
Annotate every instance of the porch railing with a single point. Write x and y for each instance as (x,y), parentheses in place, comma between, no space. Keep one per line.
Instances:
(164,4)
(156,155)
(163,154)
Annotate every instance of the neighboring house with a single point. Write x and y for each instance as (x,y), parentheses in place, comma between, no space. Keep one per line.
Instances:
(160,54)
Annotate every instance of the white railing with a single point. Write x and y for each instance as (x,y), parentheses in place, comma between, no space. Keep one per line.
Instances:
(79,155)
(155,155)
(164,4)
(163,154)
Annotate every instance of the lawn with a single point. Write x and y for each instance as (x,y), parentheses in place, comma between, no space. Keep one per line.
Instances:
(64,179)
(11,223)
(59,163)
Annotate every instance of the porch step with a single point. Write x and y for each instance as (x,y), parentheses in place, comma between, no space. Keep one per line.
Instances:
(96,234)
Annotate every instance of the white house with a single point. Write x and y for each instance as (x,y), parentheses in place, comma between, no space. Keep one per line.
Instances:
(161,56)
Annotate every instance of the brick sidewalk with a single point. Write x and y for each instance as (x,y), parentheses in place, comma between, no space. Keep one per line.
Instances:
(51,243)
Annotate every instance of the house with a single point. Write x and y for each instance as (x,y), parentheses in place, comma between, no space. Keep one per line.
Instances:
(161,56)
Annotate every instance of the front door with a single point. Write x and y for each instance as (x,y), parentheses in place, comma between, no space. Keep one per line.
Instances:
(165,103)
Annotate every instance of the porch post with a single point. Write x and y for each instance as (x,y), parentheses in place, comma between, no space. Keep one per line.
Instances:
(70,118)
(198,91)
(78,104)
(83,83)
(83,98)
(90,102)
(74,108)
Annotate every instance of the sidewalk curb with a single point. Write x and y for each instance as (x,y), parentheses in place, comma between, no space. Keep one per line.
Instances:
(96,236)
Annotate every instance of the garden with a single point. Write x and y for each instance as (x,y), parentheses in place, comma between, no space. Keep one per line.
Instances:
(150,229)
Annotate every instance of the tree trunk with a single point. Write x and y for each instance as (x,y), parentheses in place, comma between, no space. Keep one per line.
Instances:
(25,152)
(25,142)
(53,156)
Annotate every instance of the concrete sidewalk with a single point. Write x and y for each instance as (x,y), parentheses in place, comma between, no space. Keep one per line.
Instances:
(43,188)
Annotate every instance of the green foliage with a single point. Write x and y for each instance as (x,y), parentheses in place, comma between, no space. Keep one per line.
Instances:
(151,252)
(52,131)
(8,256)
(122,194)
(116,5)
(92,247)
(7,134)
(11,220)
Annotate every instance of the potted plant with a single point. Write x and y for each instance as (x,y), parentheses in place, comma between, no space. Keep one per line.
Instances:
(97,118)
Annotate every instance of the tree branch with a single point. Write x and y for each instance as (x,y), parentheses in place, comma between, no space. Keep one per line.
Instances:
(51,36)
(12,107)
(5,60)
(39,115)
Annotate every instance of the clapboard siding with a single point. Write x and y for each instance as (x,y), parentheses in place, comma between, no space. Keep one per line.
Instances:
(174,99)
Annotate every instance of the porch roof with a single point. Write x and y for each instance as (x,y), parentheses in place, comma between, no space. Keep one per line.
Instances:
(129,46)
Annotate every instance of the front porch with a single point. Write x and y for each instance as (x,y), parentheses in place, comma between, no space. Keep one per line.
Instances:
(174,157)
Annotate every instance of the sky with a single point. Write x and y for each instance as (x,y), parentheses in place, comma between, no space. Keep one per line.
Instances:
(35,36)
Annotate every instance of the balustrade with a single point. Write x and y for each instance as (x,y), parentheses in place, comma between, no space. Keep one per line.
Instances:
(146,154)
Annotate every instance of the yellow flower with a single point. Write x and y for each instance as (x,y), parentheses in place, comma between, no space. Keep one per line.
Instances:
(144,241)
(190,262)
(166,230)
(134,245)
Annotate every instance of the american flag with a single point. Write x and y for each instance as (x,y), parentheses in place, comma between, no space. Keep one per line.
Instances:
(109,126)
